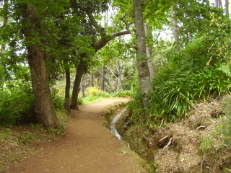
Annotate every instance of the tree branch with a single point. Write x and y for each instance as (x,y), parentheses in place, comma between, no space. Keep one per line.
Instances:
(104,40)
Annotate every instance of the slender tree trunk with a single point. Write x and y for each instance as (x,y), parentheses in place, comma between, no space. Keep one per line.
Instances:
(76,88)
(36,57)
(149,36)
(227,7)
(82,86)
(216,3)
(5,7)
(83,90)
(175,28)
(142,65)
(103,78)
(220,4)
(119,76)
(5,19)
(67,89)
(92,80)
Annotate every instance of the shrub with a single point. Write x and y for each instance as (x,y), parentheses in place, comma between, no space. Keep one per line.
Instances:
(93,91)
(189,75)
(174,97)
(93,94)
(15,105)
(57,100)
(80,101)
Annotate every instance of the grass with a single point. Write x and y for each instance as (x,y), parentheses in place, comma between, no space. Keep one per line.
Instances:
(92,98)
(206,144)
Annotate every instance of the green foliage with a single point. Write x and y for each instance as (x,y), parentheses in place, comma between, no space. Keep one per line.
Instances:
(190,75)
(93,94)
(17,105)
(174,97)
(58,101)
(123,93)
(206,144)
(93,91)
(14,105)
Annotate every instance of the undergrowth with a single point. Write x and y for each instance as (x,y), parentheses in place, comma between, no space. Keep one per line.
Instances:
(192,74)
(17,105)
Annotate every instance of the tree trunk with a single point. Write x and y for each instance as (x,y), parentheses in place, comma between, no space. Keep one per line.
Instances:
(218,3)
(227,7)
(119,76)
(83,90)
(36,57)
(67,89)
(103,78)
(76,88)
(142,65)
(82,86)
(5,7)
(92,79)
(149,36)
(175,28)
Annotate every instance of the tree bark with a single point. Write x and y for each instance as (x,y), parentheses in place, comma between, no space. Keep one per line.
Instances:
(36,57)
(142,65)
(175,28)
(227,7)
(67,89)
(80,70)
(83,85)
(149,36)
(92,79)
(218,3)
(5,17)
(103,78)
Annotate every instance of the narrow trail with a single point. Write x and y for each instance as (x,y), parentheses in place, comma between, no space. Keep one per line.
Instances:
(88,147)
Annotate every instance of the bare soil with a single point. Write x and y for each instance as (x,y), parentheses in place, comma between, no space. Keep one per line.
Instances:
(88,147)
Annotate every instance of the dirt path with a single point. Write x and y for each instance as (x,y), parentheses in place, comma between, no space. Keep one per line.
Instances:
(88,147)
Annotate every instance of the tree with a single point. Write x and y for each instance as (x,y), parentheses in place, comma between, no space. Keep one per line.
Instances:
(98,39)
(142,65)
(175,27)
(149,36)
(37,61)
(227,7)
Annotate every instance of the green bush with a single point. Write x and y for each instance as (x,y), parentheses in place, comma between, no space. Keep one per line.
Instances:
(58,101)
(15,105)
(190,75)
(80,101)
(174,97)
(93,94)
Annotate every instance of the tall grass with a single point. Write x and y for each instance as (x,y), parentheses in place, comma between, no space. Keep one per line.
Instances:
(189,75)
